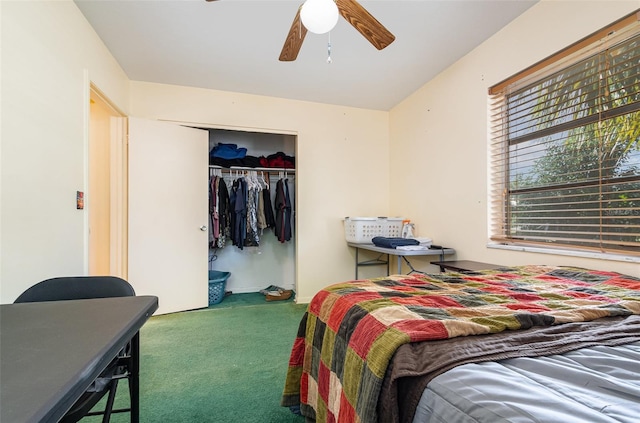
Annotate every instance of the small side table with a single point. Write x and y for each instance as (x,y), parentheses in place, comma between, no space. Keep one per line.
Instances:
(465,266)
(441,252)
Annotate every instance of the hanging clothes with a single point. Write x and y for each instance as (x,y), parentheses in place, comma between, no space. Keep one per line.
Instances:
(219,218)
(232,213)
(269,217)
(214,221)
(262,220)
(223,213)
(283,211)
(253,192)
(287,211)
(240,211)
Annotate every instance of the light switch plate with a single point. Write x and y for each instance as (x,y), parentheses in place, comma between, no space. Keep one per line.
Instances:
(79,200)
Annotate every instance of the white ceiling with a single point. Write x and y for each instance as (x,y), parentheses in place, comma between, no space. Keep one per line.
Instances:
(234,45)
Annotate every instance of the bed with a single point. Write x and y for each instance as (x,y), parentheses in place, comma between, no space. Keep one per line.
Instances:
(521,344)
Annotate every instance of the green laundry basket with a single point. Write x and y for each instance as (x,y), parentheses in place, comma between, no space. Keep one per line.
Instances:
(217,285)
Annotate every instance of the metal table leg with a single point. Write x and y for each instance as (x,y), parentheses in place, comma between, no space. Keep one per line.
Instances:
(357,262)
(135,378)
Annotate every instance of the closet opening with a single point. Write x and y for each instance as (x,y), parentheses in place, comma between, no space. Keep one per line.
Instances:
(258,169)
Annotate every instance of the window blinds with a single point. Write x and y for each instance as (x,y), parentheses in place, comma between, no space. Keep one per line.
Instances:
(565,147)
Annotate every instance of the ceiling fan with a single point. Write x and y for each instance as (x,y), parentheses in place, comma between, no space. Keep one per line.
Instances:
(354,13)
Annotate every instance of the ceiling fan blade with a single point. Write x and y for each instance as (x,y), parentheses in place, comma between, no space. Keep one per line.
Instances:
(294,40)
(365,23)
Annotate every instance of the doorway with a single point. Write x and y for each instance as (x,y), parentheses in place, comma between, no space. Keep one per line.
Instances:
(106,199)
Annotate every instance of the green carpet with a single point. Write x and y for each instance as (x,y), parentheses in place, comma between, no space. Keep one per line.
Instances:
(250,299)
(226,363)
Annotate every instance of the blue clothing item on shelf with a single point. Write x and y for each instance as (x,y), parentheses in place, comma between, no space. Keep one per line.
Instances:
(228,151)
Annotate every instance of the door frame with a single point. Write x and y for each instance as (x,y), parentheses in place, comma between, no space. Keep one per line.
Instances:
(118,183)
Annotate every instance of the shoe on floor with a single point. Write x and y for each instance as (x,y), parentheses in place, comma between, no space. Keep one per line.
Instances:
(271,288)
(281,295)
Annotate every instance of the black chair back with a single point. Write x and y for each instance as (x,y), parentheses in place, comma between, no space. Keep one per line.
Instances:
(76,288)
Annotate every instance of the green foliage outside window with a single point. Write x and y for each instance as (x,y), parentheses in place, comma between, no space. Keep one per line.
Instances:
(573,154)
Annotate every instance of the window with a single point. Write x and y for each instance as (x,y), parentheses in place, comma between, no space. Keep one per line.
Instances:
(565,147)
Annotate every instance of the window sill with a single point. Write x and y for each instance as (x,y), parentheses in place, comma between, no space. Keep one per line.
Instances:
(560,252)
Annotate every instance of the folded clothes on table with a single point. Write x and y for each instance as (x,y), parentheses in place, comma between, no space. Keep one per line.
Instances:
(412,247)
(384,242)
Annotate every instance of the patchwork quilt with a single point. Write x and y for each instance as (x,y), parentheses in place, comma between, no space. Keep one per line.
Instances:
(351,330)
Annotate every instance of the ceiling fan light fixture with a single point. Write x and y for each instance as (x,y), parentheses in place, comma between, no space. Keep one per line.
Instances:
(319,16)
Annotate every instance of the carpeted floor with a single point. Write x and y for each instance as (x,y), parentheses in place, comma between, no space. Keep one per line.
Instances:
(250,299)
(226,363)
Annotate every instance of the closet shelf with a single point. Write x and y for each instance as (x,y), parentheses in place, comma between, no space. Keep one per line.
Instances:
(262,169)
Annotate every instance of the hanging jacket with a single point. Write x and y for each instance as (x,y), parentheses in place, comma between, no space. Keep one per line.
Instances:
(223,213)
(212,207)
(215,212)
(269,217)
(283,211)
(240,211)
(262,222)
(232,213)
(253,236)
(286,232)
(279,208)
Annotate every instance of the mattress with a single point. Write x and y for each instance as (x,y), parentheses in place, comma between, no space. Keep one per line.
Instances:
(596,385)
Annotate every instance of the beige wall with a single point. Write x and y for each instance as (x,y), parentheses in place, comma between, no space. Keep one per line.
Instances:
(49,54)
(341,159)
(425,160)
(442,183)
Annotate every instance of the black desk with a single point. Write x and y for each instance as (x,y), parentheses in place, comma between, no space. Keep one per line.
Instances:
(52,351)
(395,252)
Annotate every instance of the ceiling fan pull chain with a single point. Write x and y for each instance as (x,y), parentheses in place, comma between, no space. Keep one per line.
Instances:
(329,49)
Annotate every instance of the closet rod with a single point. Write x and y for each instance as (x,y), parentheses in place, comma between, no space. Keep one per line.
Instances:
(262,169)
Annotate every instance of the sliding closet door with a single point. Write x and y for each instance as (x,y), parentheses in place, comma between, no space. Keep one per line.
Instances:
(168,200)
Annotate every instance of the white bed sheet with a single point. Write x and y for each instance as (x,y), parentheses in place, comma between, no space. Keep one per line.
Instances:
(594,385)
